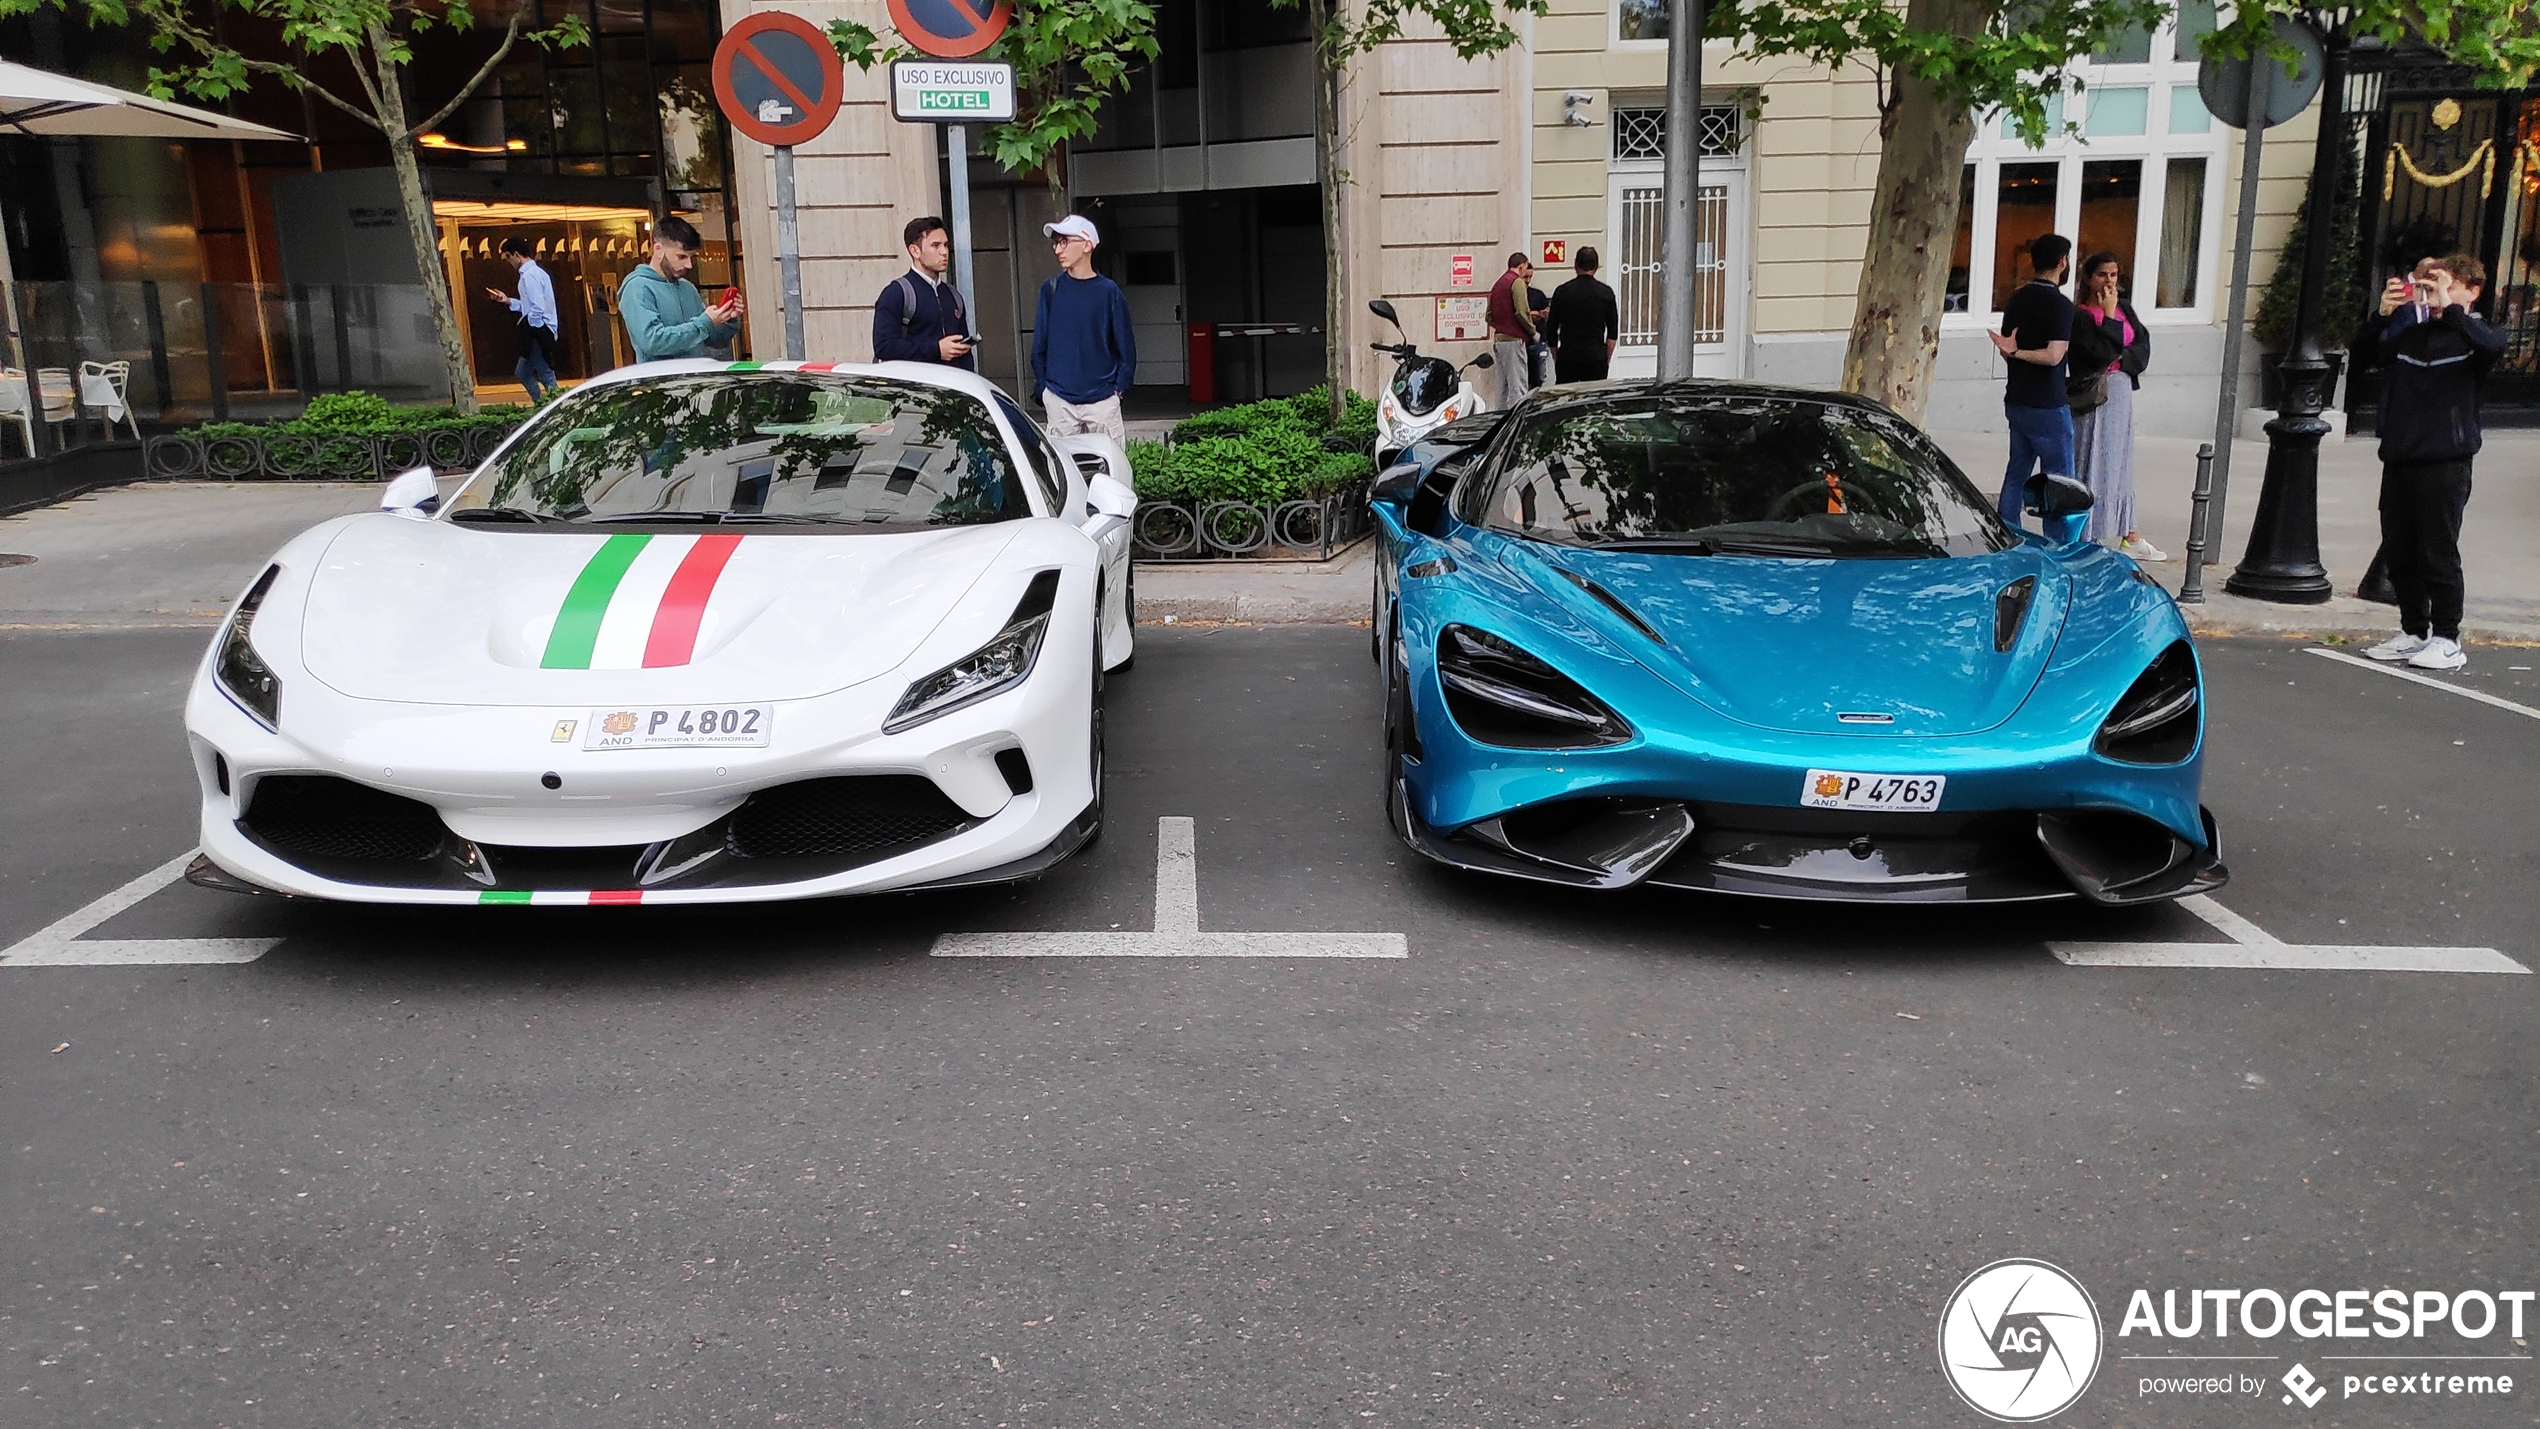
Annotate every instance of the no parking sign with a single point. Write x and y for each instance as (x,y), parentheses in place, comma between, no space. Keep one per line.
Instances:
(777,78)
(950,29)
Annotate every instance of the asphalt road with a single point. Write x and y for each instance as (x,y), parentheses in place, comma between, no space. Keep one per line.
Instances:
(1640,1160)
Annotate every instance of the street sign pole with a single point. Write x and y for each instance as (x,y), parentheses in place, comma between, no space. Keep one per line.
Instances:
(777,79)
(2206,524)
(789,256)
(957,146)
(1680,226)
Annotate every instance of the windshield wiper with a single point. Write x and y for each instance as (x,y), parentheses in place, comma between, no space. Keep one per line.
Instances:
(1659,545)
(685,518)
(507,514)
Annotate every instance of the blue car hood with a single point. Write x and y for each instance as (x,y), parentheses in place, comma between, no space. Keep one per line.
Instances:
(1793,644)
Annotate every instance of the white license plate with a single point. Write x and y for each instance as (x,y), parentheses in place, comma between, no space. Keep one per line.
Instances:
(680,727)
(1877,793)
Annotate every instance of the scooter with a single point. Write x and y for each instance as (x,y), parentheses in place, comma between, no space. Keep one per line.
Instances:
(1426,392)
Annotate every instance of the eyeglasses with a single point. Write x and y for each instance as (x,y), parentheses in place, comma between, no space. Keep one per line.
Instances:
(1061,240)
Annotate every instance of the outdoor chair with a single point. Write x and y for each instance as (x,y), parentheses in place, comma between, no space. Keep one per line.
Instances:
(61,400)
(102,389)
(14,406)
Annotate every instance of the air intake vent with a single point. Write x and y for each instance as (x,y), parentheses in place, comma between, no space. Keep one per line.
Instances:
(2010,607)
(871,814)
(316,816)
(1611,602)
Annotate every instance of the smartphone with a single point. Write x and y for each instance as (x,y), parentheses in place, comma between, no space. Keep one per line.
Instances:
(973,340)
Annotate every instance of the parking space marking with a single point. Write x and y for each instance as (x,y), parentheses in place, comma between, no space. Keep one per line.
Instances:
(60,945)
(2254,947)
(1177,933)
(2429,681)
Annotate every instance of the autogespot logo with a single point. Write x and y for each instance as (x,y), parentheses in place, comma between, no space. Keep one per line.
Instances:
(2019,1341)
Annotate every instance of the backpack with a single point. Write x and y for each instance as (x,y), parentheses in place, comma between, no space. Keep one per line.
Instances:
(908,303)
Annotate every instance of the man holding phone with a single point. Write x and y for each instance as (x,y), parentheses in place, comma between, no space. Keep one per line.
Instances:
(919,317)
(2435,350)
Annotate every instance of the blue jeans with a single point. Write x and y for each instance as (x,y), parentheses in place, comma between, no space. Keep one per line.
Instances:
(536,369)
(2041,439)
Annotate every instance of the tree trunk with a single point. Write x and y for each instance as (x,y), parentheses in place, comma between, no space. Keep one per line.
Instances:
(420,231)
(1913,228)
(1327,170)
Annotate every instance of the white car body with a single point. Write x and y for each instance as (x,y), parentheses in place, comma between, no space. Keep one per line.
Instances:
(416,658)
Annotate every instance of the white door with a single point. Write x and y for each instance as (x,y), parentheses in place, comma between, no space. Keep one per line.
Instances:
(1635,229)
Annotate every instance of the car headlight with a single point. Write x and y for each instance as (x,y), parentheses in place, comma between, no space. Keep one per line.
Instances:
(2155,722)
(1501,695)
(1000,665)
(242,673)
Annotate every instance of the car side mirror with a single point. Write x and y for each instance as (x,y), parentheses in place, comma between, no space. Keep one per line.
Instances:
(1396,484)
(1384,310)
(2062,506)
(413,492)
(1108,496)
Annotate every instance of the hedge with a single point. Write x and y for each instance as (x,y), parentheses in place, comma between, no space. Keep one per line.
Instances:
(1282,449)
(361,414)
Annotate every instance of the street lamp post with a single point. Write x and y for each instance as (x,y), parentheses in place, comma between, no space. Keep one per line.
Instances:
(2282,563)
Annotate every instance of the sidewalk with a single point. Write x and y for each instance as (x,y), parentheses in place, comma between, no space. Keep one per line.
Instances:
(2501,545)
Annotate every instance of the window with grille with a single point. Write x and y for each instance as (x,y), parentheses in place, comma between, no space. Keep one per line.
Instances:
(1640,132)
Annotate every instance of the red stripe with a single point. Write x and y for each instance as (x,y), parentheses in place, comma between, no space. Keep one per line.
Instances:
(616,895)
(819,367)
(674,636)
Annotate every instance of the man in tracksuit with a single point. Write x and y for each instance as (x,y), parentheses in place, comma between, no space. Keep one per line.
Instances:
(2436,350)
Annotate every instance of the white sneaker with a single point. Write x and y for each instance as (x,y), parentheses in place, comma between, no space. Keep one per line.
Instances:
(2141,549)
(2397,648)
(2438,654)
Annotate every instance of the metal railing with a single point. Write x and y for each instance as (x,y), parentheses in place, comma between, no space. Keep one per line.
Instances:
(295,456)
(1227,530)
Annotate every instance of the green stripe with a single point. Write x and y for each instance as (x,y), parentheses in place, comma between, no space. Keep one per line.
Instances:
(745,367)
(577,626)
(503,895)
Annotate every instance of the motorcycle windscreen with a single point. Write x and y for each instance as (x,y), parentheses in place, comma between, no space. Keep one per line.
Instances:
(1423,385)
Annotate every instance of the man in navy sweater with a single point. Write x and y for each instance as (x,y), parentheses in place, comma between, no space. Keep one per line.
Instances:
(919,316)
(1084,354)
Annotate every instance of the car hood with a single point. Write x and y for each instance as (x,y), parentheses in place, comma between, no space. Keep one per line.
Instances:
(1796,644)
(435,613)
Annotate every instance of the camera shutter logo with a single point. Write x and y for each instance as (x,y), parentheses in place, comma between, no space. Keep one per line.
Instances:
(2019,1341)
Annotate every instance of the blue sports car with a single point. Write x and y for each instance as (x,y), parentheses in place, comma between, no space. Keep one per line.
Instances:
(1749,639)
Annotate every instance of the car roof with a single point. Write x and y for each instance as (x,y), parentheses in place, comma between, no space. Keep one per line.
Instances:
(933,374)
(1584,394)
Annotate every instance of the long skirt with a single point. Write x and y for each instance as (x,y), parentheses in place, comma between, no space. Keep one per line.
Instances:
(2103,455)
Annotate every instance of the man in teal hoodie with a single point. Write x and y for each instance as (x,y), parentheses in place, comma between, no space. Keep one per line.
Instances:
(664,316)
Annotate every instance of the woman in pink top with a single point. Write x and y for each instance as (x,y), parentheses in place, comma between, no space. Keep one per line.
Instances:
(2109,343)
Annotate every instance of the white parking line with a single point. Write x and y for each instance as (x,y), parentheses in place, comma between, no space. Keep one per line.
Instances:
(2429,681)
(2254,947)
(1177,933)
(60,946)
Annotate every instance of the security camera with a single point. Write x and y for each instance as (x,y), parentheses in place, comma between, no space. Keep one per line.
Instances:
(1574,103)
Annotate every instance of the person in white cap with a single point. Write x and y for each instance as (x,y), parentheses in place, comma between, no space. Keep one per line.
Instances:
(1084,354)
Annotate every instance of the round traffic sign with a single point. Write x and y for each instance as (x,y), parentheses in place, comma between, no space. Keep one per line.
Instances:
(950,29)
(2223,82)
(777,77)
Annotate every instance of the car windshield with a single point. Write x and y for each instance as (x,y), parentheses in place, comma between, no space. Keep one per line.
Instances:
(1733,473)
(846,453)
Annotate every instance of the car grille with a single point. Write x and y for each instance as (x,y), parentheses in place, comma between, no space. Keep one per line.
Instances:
(316,816)
(831,818)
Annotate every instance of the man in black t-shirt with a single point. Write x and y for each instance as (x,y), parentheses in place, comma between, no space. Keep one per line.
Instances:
(1584,325)
(2037,327)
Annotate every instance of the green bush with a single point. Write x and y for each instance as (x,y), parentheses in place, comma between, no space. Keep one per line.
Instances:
(1282,449)
(361,414)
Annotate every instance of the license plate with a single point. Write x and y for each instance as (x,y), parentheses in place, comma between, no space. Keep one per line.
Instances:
(1872,793)
(681,727)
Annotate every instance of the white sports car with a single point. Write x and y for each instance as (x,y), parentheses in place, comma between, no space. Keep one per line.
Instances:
(698,632)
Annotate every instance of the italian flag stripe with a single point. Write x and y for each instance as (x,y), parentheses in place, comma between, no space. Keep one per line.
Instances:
(639,603)
(577,627)
(673,638)
(561,898)
(503,895)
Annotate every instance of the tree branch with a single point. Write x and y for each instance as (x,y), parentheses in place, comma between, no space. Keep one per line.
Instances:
(511,32)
